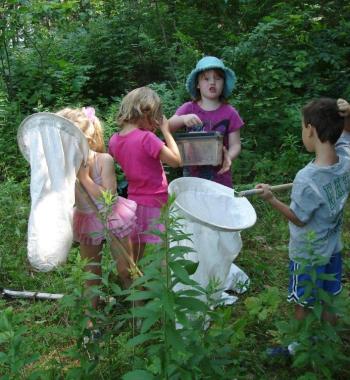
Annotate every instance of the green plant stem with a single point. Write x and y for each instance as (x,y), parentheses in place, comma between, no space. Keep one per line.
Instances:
(168,290)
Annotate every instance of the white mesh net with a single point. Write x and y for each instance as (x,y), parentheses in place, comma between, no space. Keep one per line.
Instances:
(55,149)
(213,216)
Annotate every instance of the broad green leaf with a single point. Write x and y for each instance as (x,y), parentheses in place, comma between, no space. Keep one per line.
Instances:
(149,322)
(174,338)
(139,339)
(301,359)
(167,301)
(140,295)
(191,267)
(189,293)
(181,273)
(317,310)
(116,289)
(138,374)
(327,277)
(192,304)
(3,357)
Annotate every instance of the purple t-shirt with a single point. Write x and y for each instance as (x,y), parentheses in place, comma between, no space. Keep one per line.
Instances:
(225,120)
(137,152)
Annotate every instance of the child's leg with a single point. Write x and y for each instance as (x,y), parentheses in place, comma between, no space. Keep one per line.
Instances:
(296,290)
(329,317)
(138,250)
(93,254)
(333,287)
(147,217)
(300,312)
(123,266)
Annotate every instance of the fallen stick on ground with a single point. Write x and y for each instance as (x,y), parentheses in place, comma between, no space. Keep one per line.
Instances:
(7,293)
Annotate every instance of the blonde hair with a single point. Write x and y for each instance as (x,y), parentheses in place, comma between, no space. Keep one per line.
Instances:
(138,105)
(90,126)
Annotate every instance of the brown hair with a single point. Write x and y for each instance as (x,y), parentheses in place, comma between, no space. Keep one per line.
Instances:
(323,115)
(92,129)
(138,105)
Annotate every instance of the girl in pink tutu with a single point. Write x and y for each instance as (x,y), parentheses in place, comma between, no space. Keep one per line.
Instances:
(140,154)
(98,176)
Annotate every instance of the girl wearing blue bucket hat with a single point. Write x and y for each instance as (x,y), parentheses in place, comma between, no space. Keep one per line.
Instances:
(209,84)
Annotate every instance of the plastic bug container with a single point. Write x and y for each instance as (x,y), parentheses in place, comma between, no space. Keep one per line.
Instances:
(200,148)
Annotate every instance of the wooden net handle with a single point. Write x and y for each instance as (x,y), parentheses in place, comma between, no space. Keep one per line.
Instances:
(246,193)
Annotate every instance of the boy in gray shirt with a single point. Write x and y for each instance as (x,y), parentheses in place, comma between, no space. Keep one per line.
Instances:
(319,193)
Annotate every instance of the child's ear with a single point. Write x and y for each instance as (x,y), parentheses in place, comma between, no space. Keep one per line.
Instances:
(146,124)
(311,130)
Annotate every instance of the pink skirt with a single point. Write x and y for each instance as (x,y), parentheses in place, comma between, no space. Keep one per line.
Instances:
(89,230)
(146,221)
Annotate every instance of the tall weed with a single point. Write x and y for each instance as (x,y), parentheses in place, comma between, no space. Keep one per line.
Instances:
(183,335)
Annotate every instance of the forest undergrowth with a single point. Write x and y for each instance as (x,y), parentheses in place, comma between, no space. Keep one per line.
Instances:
(44,339)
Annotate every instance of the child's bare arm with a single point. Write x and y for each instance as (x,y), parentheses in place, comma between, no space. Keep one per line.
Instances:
(284,209)
(170,153)
(109,180)
(344,110)
(107,174)
(234,149)
(176,122)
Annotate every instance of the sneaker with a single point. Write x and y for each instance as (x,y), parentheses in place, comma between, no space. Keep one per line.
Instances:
(278,351)
(94,336)
(292,347)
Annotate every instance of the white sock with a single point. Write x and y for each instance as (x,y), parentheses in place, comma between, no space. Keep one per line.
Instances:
(292,347)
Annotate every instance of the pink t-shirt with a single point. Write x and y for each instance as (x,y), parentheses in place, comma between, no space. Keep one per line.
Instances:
(138,155)
(225,120)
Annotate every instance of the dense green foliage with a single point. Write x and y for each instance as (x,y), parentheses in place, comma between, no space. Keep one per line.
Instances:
(91,52)
(57,53)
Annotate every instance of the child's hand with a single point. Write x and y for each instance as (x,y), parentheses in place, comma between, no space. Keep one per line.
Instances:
(83,173)
(164,125)
(191,120)
(226,163)
(344,107)
(267,193)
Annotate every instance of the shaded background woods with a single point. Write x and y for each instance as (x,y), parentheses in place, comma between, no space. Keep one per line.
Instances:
(59,53)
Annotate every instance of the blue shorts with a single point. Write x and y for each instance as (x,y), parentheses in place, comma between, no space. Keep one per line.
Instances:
(297,281)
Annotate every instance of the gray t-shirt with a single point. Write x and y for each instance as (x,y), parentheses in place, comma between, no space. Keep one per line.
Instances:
(318,197)
(342,146)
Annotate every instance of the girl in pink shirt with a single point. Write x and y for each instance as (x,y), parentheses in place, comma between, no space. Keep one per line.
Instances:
(140,153)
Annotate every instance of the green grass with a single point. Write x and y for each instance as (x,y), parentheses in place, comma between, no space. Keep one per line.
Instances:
(48,326)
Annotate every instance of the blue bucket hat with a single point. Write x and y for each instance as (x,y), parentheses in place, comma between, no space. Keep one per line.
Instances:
(209,63)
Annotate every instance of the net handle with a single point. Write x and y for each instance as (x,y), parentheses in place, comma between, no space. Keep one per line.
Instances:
(247,193)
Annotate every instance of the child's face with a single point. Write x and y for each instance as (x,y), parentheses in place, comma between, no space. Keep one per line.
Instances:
(210,84)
